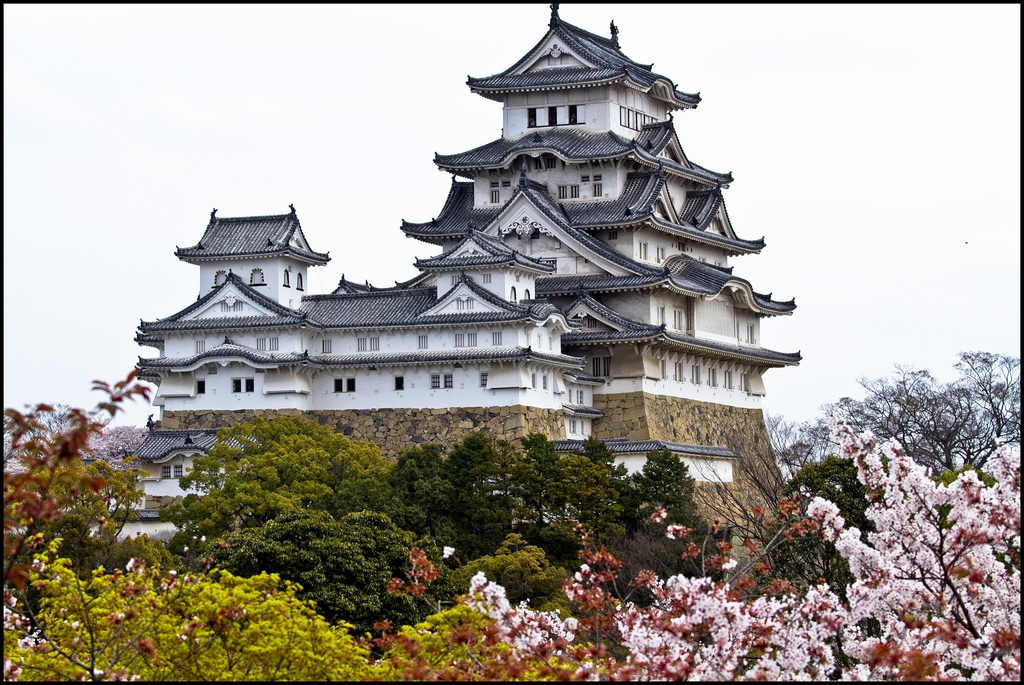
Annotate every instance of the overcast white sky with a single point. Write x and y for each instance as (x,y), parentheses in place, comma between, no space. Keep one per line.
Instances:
(877,149)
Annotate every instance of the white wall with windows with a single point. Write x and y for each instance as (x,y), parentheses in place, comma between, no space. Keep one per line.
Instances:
(269,277)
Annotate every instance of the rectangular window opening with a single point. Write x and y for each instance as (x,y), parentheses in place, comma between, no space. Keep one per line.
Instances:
(201,387)
(399,382)
(435,381)
(449,381)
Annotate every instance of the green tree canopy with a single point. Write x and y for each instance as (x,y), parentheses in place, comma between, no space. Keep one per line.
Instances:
(257,471)
(342,565)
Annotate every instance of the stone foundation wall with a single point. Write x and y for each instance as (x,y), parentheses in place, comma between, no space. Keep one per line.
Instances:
(642,416)
(394,430)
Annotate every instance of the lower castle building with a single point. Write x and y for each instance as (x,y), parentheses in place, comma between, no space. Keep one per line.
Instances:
(579,286)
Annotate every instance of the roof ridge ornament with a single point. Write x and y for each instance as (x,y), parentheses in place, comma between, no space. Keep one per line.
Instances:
(213,215)
(554,15)
(292,207)
(615,33)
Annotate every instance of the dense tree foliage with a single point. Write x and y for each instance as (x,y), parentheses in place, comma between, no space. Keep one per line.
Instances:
(921,571)
(260,470)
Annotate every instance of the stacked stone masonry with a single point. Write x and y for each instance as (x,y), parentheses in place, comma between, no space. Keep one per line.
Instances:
(394,430)
(642,416)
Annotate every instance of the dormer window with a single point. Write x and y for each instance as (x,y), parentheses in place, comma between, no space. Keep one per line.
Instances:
(298,281)
(286,282)
(220,277)
(256,277)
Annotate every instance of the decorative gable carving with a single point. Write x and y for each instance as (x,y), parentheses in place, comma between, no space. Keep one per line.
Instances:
(461,300)
(230,303)
(553,54)
(524,226)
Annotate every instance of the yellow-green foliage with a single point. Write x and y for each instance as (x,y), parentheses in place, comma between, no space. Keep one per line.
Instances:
(157,626)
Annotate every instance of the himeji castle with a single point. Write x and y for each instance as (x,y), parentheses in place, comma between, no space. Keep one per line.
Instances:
(580,285)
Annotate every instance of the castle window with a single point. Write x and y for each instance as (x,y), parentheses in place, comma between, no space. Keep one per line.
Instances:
(552,116)
(613,235)
(286,282)
(598,186)
(496,338)
(572,425)
(200,346)
(601,366)
(243,385)
(579,397)
(220,277)
(178,471)
(399,382)
(471,340)
(350,385)
(165,471)
(677,371)
(695,374)
(201,387)
(494,184)
(512,295)
(374,344)
(298,281)
(713,378)
(486,278)
(526,294)
(544,381)
(435,380)
(506,184)
(339,385)
(660,252)
(449,381)
(549,162)
(538,164)
(678,320)
(531,117)
(664,369)
(256,277)
(643,250)
(533,380)
(261,344)
(585,178)
(483,379)
(273,344)
(361,344)
(751,336)
(574,114)
(727,379)
(495,197)
(661,315)
(344,385)
(460,339)
(326,346)
(422,342)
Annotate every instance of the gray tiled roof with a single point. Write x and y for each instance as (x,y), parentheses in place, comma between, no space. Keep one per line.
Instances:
(603,52)
(227,349)
(252,236)
(625,446)
(281,315)
(586,379)
(495,253)
(458,213)
(407,307)
(572,144)
(635,331)
(462,354)
(159,443)
(580,410)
